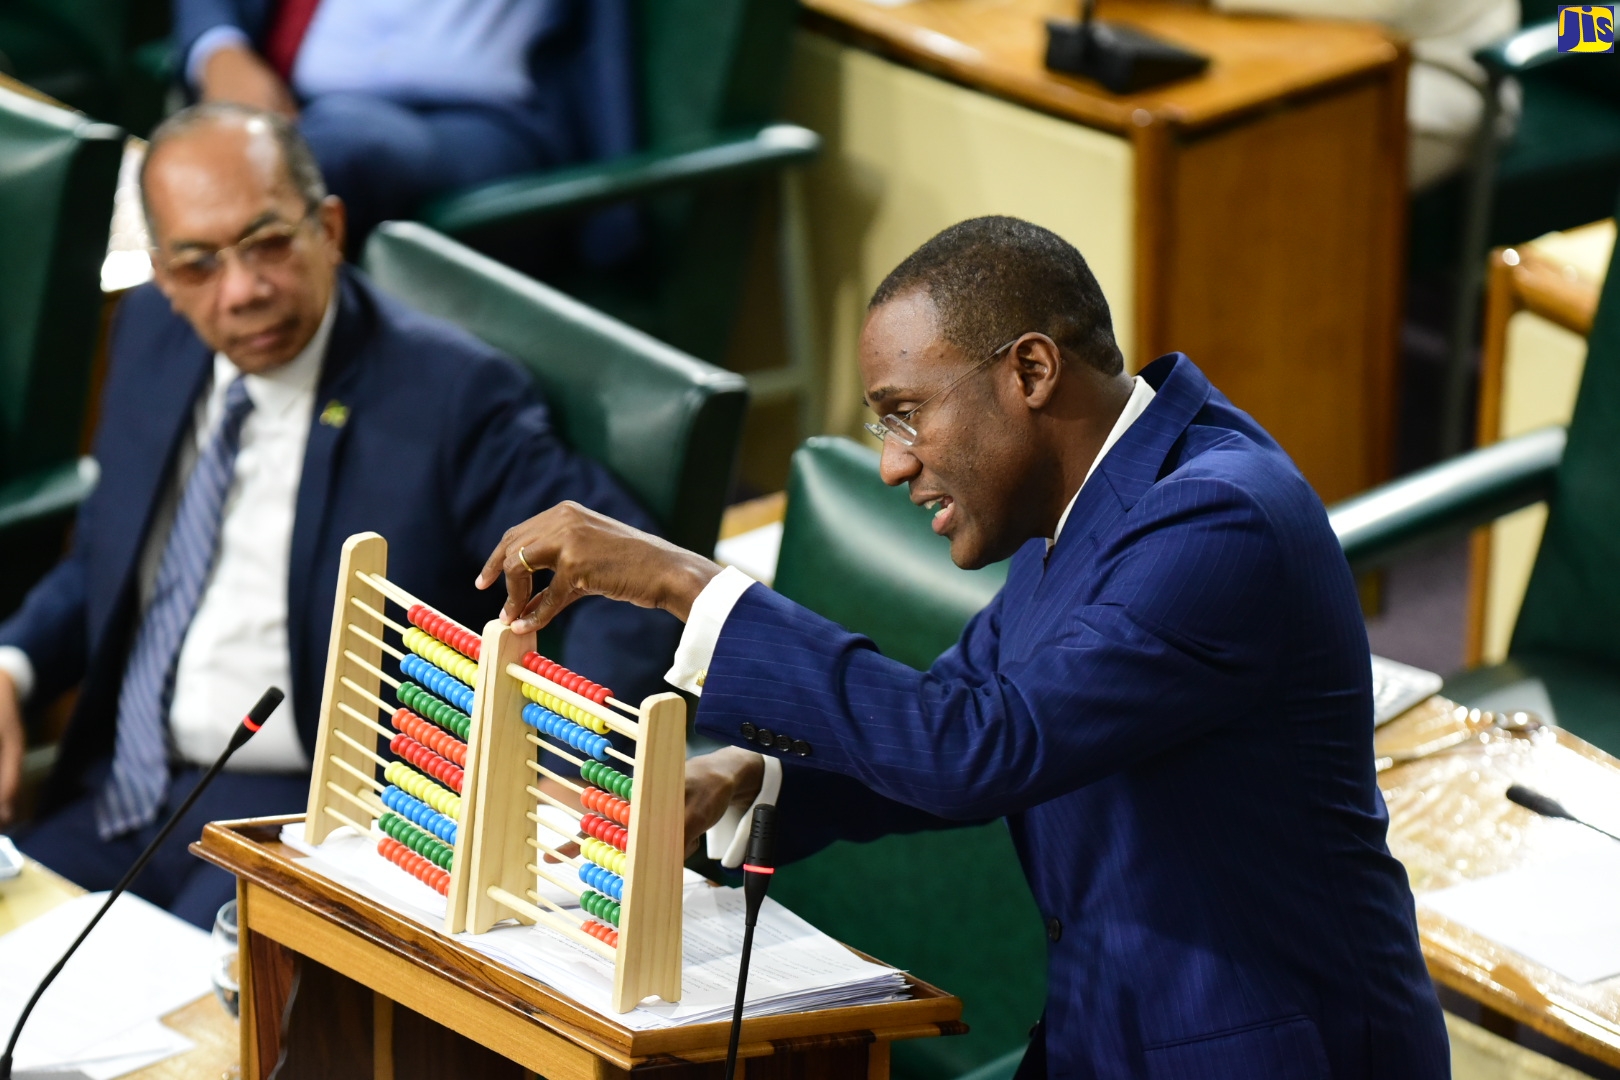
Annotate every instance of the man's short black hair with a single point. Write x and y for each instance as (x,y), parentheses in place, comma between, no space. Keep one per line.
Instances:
(994,278)
(296,156)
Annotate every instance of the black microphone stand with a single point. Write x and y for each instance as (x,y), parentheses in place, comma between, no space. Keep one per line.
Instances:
(758,866)
(250,725)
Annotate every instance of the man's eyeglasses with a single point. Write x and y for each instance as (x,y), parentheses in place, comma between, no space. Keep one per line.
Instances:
(900,425)
(260,249)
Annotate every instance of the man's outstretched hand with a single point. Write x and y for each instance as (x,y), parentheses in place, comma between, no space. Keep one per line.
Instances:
(590,554)
(714,783)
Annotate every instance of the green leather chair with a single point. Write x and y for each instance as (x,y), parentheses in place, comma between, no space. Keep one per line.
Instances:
(712,74)
(1559,169)
(1564,656)
(951,907)
(85,54)
(665,424)
(57,174)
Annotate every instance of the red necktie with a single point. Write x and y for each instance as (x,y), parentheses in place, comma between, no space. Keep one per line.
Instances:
(287,28)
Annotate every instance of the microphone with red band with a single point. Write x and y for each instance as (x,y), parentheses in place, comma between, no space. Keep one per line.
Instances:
(250,725)
(758,866)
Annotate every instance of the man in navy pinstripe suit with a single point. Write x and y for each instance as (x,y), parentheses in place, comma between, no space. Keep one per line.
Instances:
(1170,700)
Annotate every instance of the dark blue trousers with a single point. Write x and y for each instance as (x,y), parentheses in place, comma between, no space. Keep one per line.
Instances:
(175,880)
(385,158)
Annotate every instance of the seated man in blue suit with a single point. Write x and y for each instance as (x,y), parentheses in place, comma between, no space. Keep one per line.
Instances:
(264,402)
(1170,700)
(404,101)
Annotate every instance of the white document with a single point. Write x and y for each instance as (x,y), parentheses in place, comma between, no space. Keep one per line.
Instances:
(1563,914)
(101,1013)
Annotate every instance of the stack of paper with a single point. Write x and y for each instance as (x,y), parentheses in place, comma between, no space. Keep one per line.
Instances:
(794,968)
(100,1016)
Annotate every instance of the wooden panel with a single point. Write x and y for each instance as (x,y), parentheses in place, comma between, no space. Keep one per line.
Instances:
(999,46)
(495,845)
(424,1050)
(326,1033)
(265,974)
(649,954)
(1280,282)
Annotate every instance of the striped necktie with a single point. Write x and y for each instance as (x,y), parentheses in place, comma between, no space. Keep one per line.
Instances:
(140,772)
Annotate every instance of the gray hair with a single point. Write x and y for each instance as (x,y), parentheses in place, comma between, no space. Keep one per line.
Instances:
(296,156)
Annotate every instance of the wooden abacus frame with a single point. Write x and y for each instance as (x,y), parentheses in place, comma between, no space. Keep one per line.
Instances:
(499,860)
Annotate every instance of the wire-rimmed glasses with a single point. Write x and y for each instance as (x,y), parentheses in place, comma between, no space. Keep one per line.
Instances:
(900,425)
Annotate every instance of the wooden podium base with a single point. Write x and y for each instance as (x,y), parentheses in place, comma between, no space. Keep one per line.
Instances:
(336,985)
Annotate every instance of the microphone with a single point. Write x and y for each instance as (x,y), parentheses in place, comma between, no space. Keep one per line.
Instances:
(1546,806)
(250,725)
(758,866)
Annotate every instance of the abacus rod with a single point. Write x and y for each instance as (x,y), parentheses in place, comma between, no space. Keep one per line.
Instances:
(629,729)
(562,926)
(377,641)
(549,775)
(389,589)
(617,704)
(397,628)
(562,912)
(358,775)
(367,694)
(553,852)
(363,830)
(352,797)
(366,720)
(573,887)
(550,749)
(558,803)
(372,754)
(626,758)
(373,668)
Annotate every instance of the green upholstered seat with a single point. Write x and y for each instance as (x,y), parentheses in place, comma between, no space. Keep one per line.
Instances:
(712,74)
(666,424)
(57,174)
(83,53)
(952,907)
(1564,656)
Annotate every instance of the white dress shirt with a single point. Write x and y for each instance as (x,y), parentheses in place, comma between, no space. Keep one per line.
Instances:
(236,644)
(728,839)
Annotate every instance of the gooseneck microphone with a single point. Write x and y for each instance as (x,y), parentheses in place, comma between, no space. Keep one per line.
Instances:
(758,866)
(249,726)
(1547,806)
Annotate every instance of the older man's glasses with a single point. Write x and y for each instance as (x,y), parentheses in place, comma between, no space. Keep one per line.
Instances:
(261,249)
(902,426)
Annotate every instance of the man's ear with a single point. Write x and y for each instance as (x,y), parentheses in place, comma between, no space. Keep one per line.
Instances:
(1039,363)
(335,223)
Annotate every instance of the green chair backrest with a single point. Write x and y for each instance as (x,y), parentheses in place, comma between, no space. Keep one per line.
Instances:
(665,424)
(1572,604)
(57,175)
(951,907)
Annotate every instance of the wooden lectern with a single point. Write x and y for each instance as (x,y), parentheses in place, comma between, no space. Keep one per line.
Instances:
(337,985)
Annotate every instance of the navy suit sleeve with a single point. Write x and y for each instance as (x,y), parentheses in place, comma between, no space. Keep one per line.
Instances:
(50,626)
(1167,646)
(193,18)
(507,464)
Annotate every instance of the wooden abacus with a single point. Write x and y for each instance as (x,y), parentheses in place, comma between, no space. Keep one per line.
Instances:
(459,805)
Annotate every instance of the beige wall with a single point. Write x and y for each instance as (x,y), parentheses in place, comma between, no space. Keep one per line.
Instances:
(908,154)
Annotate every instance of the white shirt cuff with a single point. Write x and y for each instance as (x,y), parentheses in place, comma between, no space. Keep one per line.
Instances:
(728,838)
(207,44)
(15,662)
(708,617)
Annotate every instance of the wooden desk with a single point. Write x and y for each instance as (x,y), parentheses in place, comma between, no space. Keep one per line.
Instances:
(205,1022)
(336,985)
(1449,822)
(1252,217)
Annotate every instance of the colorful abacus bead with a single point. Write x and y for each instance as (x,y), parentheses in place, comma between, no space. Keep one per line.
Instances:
(602,932)
(420,813)
(569,680)
(425,845)
(609,806)
(401,775)
(607,777)
(440,626)
(565,708)
(446,772)
(604,855)
(603,908)
(436,879)
(414,697)
(440,655)
(439,682)
(604,830)
(603,881)
(565,731)
(438,740)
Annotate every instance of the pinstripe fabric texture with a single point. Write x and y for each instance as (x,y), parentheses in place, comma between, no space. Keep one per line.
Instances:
(139,779)
(1173,712)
